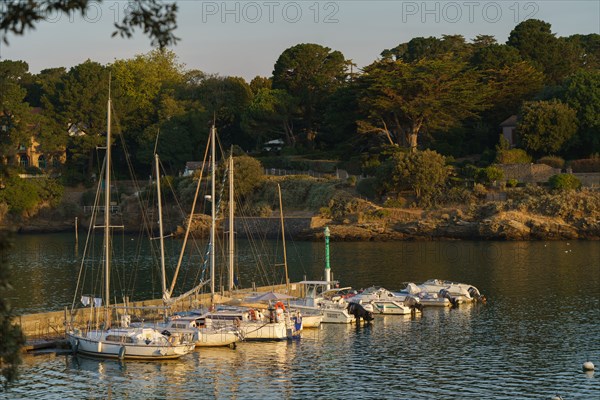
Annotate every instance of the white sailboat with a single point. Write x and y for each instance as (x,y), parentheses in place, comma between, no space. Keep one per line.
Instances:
(253,324)
(99,337)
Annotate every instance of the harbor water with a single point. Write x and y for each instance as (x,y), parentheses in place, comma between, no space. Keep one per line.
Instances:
(541,322)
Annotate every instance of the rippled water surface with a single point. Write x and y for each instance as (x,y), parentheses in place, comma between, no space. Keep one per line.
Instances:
(541,323)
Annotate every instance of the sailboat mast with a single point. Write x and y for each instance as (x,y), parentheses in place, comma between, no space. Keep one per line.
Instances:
(231,227)
(107,215)
(287,280)
(160,230)
(212,210)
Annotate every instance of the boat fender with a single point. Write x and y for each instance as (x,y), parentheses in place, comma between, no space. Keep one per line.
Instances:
(280,305)
(122,351)
(76,346)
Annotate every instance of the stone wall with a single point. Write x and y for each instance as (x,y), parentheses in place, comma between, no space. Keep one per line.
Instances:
(271,227)
(528,173)
(52,324)
(589,179)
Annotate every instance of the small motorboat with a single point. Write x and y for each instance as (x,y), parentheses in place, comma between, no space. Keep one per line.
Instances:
(385,302)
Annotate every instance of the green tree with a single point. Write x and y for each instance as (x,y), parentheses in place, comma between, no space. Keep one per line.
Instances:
(495,56)
(424,172)
(248,174)
(419,48)
(225,99)
(582,93)
(155,19)
(260,82)
(270,116)
(535,41)
(310,73)
(589,46)
(403,100)
(16,118)
(11,336)
(77,102)
(546,126)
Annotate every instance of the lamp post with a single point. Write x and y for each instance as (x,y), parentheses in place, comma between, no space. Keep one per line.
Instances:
(327,267)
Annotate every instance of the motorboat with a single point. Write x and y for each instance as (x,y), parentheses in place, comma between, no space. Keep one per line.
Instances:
(425,298)
(331,303)
(456,292)
(383,301)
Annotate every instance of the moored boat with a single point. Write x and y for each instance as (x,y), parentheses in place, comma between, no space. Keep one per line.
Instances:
(385,302)
(456,292)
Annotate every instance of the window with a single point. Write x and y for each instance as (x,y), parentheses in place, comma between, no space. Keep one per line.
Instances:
(42,162)
(24,161)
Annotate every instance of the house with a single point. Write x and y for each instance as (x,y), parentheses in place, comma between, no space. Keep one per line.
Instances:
(191,167)
(274,146)
(31,154)
(509,133)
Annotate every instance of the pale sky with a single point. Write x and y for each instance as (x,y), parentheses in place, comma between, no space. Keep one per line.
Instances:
(245,38)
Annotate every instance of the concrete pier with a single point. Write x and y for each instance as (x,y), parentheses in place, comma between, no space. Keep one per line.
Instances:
(45,330)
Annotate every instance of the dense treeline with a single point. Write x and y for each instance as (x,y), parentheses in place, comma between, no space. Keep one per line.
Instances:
(445,94)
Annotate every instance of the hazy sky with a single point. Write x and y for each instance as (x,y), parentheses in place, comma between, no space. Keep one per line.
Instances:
(245,38)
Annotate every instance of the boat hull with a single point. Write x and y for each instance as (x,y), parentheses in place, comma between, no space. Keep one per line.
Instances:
(94,345)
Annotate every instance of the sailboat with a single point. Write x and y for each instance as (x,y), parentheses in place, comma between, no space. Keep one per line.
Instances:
(98,337)
(202,336)
(252,323)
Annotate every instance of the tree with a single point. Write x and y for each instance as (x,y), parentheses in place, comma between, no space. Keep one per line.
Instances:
(495,56)
(156,19)
(424,172)
(403,100)
(11,336)
(554,56)
(419,48)
(16,118)
(78,103)
(225,99)
(546,126)
(310,73)
(582,93)
(270,116)
(248,173)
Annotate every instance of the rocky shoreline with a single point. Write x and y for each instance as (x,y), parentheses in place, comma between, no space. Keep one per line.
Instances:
(448,225)
(503,227)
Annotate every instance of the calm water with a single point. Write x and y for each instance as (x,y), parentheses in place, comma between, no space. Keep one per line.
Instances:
(541,323)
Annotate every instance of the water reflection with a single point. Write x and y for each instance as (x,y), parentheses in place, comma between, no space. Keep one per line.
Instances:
(529,342)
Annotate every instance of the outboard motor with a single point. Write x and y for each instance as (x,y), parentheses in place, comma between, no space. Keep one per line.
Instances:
(446,294)
(414,303)
(474,293)
(359,312)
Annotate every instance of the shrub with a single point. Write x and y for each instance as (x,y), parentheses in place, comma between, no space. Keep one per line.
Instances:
(513,156)
(396,202)
(511,183)
(479,191)
(457,195)
(553,161)
(490,174)
(564,182)
(367,187)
